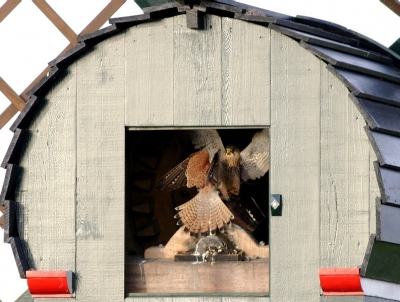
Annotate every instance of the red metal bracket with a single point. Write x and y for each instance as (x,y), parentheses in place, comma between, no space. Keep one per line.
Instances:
(50,284)
(340,281)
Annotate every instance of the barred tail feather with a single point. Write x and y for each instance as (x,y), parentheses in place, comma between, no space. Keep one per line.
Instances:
(205,213)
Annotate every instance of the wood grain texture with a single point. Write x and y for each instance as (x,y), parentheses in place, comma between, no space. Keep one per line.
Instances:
(46,189)
(197,73)
(374,191)
(149,74)
(100,172)
(295,170)
(245,73)
(345,177)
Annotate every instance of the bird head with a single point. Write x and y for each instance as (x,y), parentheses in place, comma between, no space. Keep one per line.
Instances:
(231,150)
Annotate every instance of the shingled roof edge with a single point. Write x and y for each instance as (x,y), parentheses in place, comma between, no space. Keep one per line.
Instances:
(87,41)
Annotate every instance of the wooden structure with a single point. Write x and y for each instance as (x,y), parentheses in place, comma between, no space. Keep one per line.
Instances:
(329,96)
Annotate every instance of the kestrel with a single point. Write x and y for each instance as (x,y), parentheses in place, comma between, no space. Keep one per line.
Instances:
(216,172)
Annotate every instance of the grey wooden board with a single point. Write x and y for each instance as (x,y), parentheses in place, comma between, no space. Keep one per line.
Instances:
(10,222)
(24,118)
(315,31)
(45,191)
(177,76)
(294,236)
(389,223)
(386,148)
(8,189)
(149,74)
(245,73)
(19,256)
(389,184)
(100,165)
(345,177)
(369,87)
(14,149)
(197,73)
(380,117)
(312,39)
(355,63)
(374,191)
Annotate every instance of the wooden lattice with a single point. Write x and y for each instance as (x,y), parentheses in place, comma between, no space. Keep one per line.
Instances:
(18,101)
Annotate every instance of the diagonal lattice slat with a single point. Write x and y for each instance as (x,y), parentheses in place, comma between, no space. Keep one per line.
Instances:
(7,8)
(18,102)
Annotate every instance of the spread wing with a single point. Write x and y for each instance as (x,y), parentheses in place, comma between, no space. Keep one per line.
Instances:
(254,159)
(192,172)
(207,139)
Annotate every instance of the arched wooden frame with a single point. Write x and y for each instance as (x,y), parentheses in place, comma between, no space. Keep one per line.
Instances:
(297,88)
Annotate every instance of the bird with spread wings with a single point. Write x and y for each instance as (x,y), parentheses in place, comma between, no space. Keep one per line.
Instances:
(216,172)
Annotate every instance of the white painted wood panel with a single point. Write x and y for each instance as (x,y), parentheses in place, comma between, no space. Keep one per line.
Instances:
(245,73)
(295,171)
(100,173)
(197,73)
(46,192)
(345,180)
(149,74)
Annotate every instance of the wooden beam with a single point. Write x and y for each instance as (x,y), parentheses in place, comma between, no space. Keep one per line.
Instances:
(394,5)
(7,8)
(56,20)
(103,16)
(95,24)
(7,115)
(14,98)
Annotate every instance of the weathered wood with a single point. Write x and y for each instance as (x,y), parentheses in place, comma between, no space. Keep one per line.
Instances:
(10,221)
(149,74)
(19,256)
(46,190)
(167,276)
(295,170)
(8,189)
(298,35)
(368,86)
(14,149)
(388,223)
(197,73)
(100,192)
(379,116)
(386,148)
(245,73)
(24,118)
(345,177)
(195,19)
(374,191)
(389,184)
(352,62)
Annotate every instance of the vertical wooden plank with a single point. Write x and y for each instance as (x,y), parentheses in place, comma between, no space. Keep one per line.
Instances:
(245,73)
(46,189)
(345,177)
(100,173)
(197,73)
(374,191)
(295,170)
(149,74)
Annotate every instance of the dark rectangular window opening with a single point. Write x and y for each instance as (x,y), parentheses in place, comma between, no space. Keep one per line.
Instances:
(149,224)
